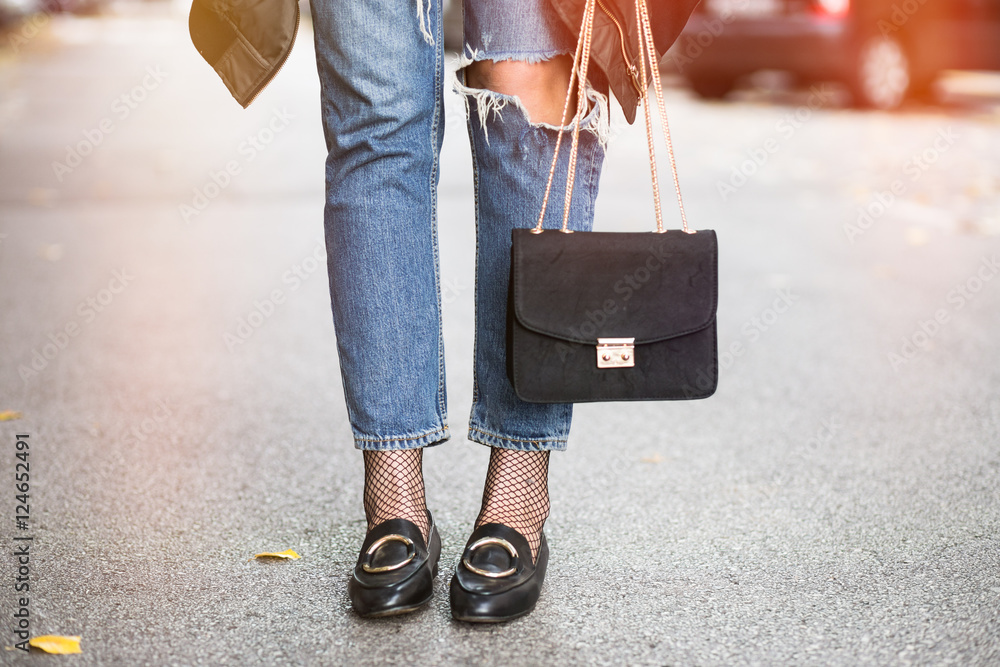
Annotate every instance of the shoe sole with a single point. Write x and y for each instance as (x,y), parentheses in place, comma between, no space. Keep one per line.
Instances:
(399,611)
(492,619)
(396,611)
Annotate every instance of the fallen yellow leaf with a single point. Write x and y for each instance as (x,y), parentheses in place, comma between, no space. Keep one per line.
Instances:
(56,644)
(8,415)
(287,553)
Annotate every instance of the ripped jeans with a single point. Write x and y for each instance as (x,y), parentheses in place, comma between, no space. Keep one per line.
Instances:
(381,67)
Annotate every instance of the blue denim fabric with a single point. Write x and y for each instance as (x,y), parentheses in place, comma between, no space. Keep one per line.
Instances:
(527,30)
(511,159)
(381,69)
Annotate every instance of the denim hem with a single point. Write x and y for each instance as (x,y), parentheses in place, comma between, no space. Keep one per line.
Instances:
(470,55)
(428,439)
(490,439)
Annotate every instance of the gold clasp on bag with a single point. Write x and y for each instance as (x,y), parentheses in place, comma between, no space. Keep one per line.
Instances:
(615,352)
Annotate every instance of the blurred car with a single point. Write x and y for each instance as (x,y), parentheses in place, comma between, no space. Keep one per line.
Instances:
(883,50)
(12,11)
(73,6)
(452,20)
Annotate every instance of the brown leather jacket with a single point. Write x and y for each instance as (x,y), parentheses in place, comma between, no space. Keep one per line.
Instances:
(247,41)
(615,48)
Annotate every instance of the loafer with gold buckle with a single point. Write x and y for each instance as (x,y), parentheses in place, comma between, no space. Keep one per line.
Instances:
(496,580)
(395,570)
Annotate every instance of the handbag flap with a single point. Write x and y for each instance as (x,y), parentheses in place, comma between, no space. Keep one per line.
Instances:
(588,285)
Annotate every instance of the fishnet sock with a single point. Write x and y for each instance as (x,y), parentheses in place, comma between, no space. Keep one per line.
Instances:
(517,493)
(394,488)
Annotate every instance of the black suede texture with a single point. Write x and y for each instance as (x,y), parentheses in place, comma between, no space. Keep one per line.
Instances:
(568,290)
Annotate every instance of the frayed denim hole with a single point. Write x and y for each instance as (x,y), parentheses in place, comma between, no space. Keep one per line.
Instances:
(470,55)
(594,122)
(424,17)
(487,103)
(490,105)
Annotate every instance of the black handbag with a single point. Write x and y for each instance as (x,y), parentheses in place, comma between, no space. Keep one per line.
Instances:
(612,316)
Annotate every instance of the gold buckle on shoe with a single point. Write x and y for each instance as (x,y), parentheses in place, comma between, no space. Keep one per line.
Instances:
(411,553)
(499,541)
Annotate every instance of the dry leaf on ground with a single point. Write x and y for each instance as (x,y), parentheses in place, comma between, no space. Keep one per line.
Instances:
(56,644)
(287,553)
(9,415)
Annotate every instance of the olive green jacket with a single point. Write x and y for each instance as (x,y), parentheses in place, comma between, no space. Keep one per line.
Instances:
(245,41)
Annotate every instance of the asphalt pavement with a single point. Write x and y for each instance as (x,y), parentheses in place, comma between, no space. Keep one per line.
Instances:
(166,336)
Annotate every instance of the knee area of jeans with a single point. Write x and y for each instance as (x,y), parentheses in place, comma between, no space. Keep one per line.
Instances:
(493,107)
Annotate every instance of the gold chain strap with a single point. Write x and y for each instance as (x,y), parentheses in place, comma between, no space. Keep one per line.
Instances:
(582,51)
(645,31)
(581,61)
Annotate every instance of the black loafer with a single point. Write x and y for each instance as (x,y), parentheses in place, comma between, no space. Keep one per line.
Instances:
(496,580)
(395,570)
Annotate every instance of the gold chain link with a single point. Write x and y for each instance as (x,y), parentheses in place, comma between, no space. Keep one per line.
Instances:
(647,32)
(586,31)
(581,61)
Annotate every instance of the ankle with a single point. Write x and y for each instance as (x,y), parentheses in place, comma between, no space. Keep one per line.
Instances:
(516,493)
(394,488)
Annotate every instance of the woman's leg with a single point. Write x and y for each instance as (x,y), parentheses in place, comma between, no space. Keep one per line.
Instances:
(381,67)
(509,196)
(515,88)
